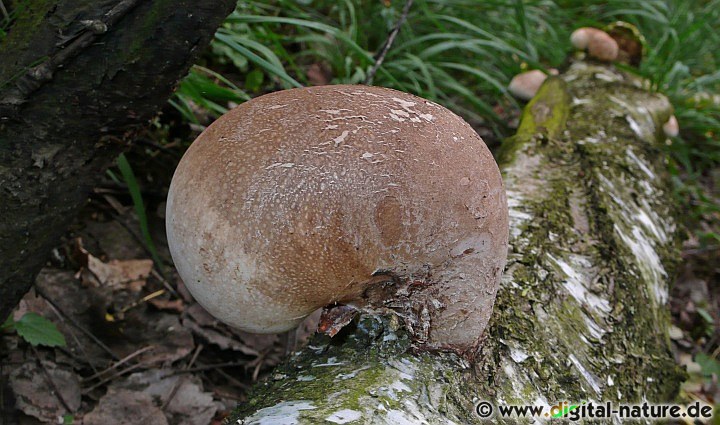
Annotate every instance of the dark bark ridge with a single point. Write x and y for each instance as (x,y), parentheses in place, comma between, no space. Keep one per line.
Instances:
(76,80)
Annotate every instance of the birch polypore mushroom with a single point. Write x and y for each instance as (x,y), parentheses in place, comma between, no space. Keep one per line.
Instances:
(671,128)
(525,85)
(357,195)
(598,43)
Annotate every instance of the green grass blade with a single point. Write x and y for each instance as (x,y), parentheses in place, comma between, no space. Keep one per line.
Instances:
(137,199)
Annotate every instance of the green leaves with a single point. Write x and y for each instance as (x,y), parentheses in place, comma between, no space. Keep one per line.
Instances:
(136,195)
(36,330)
(708,365)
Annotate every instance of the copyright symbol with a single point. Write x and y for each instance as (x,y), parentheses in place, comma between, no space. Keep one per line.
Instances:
(484,409)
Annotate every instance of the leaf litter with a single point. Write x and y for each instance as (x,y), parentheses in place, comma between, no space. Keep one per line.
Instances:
(138,348)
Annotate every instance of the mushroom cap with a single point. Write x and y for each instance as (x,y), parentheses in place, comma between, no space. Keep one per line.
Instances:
(526,84)
(581,37)
(599,44)
(307,197)
(602,47)
(671,128)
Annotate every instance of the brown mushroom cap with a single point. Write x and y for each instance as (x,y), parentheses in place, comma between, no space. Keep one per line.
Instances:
(581,37)
(308,197)
(599,44)
(526,84)
(671,128)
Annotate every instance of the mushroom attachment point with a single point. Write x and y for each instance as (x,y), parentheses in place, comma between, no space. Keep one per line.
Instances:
(354,195)
(599,44)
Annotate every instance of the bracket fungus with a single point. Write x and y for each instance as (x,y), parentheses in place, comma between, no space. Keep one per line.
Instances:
(352,195)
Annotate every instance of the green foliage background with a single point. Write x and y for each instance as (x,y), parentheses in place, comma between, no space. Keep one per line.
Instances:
(462,54)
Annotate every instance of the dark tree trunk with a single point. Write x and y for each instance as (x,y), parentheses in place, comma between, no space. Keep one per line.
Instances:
(77,78)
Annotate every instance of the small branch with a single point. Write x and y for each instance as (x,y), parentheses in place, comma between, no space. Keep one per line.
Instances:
(76,324)
(208,367)
(49,380)
(180,380)
(80,346)
(38,75)
(114,376)
(388,43)
(231,379)
(119,363)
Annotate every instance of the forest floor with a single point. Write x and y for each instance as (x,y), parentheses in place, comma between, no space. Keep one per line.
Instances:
(138,347)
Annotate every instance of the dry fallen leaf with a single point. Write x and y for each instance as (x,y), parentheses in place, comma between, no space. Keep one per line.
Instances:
(189,404)
(116,274)
(124,407)
(170,341)
(205,326)
(35,396)
(334,318)
(319,74)
(176,305)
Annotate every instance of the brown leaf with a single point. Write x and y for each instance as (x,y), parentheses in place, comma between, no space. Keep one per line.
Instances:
(189,405)
(215,337)
(173,305)
(163,331)
(118,274)
(35,396)
(335,318)
(207,327)
(319,74)
(124,407)
(183,291)
(307,329)
(115,274)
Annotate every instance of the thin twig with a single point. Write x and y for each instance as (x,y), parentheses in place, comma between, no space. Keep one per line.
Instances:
(142,300)
(223,394)
(77,325)
(226,376)
(50,380)
(256,371)
(165,283)
(388,43)
(114,376)
(40,74)
(119,363)
(80,346)
(208,367)
(176,386)
(232,380)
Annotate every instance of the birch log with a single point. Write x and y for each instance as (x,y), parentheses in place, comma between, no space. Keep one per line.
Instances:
(581,314)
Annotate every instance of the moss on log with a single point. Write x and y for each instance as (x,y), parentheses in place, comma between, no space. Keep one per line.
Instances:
(581,314)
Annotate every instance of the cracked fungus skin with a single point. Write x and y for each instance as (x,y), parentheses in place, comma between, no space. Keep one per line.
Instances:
(307,197)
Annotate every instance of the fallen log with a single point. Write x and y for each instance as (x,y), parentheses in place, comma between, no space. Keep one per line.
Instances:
(581,313)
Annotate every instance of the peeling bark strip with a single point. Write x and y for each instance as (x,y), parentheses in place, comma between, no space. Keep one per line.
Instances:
(76,78)
(581,313)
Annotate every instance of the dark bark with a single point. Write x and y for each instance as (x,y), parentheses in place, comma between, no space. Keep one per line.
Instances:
(77,79)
